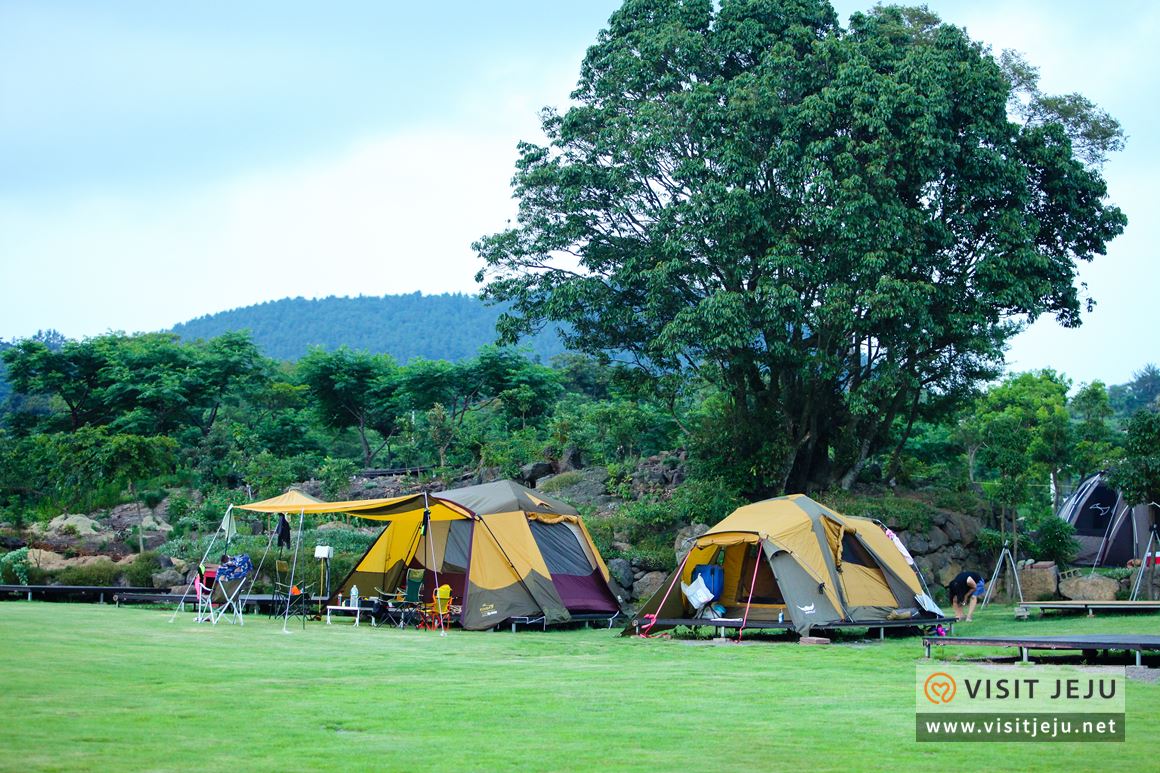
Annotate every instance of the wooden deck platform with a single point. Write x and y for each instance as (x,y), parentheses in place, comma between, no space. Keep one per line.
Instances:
(260,602)
(1137,643)
(98,593)
(723,624)
(1091,606)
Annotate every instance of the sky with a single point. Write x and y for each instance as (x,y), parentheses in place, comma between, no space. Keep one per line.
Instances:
(163,161)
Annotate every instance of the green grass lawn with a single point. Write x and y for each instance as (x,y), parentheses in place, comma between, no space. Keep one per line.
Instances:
(87,687)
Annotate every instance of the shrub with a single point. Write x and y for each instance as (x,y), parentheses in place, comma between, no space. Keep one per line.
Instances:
(561,481)
(336,475)
(990,541)
(651,513)
(96,573)
(140,572)
(1055,541)
(650,560)
(14,566)
(896,512)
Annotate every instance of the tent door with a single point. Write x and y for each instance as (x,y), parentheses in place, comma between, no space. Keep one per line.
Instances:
(765,588)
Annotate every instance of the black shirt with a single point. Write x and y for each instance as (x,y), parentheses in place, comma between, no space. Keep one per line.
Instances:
(958,587)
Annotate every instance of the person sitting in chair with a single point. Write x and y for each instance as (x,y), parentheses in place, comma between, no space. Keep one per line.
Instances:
(966,585)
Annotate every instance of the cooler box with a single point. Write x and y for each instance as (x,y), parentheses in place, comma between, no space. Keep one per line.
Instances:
(713,577)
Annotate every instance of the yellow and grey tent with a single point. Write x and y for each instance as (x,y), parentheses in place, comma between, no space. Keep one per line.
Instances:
(506,551)
(793,559)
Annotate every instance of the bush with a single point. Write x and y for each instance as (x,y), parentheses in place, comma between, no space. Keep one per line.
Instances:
(651,513)
(96,573)
(649,560)
(990,542)
(896,512)
(14,566)
(561,481)
(1055,541)
(336,475)
(140,572)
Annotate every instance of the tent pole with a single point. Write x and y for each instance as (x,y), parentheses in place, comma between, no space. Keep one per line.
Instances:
(752,583)
(507,558)
(293,571)
(258,571)
(676,576)
(1144,566)
(1104,542)
(431,553)
(204,556)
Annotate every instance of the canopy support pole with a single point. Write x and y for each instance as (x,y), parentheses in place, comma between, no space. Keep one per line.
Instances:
(293,571)
(204,556)
(261,563)
(434,568)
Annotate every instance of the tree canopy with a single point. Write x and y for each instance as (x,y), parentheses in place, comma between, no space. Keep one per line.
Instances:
(834,226)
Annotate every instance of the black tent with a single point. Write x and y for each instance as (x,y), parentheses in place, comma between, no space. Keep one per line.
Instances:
(1110,531)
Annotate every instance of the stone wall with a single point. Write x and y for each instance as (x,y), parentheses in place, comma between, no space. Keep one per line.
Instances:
(948,547)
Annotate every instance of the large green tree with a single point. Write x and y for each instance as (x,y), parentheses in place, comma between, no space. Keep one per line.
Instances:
(355,390)
(827,223)
(147,384)
(1138,474)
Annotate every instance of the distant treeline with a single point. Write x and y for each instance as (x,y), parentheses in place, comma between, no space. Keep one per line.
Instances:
(449,327)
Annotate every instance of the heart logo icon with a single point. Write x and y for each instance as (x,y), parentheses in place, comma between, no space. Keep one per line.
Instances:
(940,688)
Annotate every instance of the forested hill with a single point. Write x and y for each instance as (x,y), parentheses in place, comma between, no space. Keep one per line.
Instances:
(437,327)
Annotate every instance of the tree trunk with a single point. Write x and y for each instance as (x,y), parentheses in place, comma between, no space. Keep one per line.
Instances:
(855,470)
(366,446)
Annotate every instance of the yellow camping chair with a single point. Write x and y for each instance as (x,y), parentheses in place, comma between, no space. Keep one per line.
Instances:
(437,614)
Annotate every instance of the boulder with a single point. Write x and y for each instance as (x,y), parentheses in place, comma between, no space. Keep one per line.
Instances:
(167,578)
(938,538)
(46,559)
(685,538)
(621,571)
(149,523)
(1093,587)
(77,525)
(649,584)
(1040,581)
(948,571)
(530,473)
(961,529)
(570,460)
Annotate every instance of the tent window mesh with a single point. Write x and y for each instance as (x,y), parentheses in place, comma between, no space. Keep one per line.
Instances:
(560,548)
(854,553)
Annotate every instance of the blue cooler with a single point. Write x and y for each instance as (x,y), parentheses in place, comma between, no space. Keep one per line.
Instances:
(713,577)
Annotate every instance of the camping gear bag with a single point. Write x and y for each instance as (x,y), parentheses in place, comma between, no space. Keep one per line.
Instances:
(714,577)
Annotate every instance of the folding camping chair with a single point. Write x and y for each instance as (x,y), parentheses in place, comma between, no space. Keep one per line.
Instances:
(298,597)
(407,606)
(282,588)
(437,614)
(224,595)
